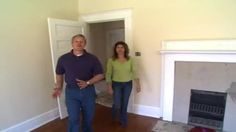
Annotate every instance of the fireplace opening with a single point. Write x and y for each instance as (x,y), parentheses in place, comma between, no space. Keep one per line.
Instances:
(207,109)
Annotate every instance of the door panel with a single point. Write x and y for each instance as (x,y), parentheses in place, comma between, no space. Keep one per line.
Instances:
(60,33)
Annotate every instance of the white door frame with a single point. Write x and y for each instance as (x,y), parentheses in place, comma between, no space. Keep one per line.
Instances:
(115,15)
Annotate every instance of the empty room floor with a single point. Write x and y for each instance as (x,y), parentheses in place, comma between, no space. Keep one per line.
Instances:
(103,123)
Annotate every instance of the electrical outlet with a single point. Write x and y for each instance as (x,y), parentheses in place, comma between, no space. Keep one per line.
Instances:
(137,53)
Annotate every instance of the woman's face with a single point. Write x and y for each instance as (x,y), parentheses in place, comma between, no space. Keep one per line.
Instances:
(120,49)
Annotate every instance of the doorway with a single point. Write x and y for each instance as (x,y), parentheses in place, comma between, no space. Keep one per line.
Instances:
(102,37)
(111,26)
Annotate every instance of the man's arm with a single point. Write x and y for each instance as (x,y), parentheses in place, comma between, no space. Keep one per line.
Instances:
(59,81)
(96,78)
(58,86)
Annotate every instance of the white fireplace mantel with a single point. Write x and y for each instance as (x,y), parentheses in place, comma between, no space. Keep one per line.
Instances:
(190,51)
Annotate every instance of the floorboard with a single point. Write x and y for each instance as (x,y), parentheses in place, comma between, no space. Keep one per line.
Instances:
(103,123)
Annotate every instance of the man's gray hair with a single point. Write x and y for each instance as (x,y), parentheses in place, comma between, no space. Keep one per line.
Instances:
(78,35)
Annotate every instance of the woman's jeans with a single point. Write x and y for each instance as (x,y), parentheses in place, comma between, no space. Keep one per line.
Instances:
(80,100)
(121,93)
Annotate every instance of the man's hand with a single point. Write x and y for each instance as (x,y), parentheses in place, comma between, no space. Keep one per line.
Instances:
(81,83)
(58,86)
(56,93)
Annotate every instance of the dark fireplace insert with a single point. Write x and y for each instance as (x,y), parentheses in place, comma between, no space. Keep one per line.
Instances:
(207,109)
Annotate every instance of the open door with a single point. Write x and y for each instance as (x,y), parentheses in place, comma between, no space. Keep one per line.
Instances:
(60,33)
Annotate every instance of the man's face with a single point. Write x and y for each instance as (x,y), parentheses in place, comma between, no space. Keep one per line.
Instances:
(78,44)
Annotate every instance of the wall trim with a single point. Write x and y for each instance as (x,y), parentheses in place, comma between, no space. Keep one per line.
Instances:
(145,110)
(34,122)
(106,16)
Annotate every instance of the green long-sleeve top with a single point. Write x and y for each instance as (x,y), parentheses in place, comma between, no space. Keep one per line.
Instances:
(120,71)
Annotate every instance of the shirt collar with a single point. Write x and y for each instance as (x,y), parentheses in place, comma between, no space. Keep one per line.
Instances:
(84,53)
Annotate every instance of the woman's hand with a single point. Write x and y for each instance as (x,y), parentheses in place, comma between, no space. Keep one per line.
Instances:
(109,89)
(137,85)
(138,88)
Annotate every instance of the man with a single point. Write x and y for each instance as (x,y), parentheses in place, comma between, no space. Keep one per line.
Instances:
(81,70)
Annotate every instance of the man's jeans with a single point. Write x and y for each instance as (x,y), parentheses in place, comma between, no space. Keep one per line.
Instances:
(80,100)
(121,93)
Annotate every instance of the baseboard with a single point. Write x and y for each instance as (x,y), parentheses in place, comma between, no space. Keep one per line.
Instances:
(147,110)
(34,122)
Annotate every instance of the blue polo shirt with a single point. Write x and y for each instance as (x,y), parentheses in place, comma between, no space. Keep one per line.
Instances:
(82,67)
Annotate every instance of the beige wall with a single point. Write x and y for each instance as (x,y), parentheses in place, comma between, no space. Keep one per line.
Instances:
(158,20)
(26,76)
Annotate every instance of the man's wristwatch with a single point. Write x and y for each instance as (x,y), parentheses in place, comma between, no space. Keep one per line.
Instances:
(87,82)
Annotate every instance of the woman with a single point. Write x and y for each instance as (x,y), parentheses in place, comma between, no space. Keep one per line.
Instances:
(119,75)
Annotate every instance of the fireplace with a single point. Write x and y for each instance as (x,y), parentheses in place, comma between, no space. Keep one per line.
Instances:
(207,109)
(209,51)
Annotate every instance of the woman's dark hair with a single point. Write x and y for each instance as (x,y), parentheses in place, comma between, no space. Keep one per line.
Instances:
(126,54)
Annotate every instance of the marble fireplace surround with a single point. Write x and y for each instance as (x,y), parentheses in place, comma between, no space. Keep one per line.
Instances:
(194,51)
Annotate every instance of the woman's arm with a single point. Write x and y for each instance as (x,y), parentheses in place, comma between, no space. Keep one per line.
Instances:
(108,76)
(137,85)
(109,88)
(135,76)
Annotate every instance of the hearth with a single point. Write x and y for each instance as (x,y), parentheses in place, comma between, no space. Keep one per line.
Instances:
(207,109)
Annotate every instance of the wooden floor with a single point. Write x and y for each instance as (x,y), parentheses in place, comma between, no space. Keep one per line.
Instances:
(103,123)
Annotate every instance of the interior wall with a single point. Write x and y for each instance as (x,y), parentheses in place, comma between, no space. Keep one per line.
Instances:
(98,41)
(112,36)
(98,35)
(155,21)
(206,76)
(26,75)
